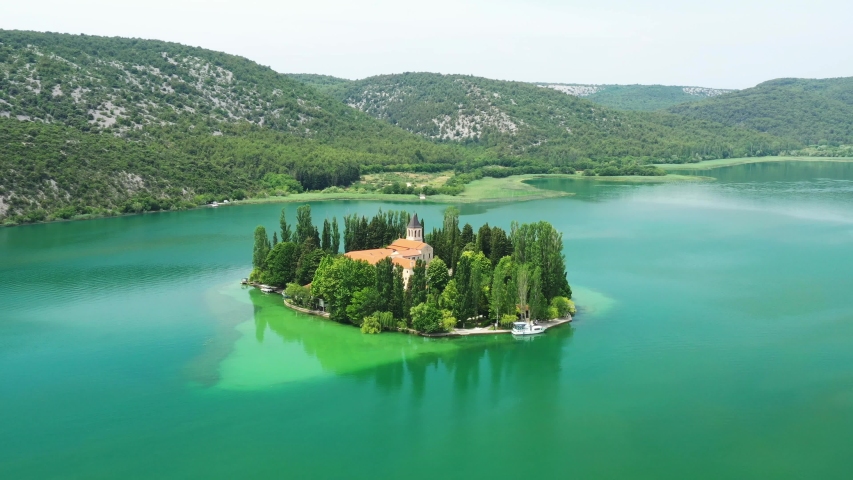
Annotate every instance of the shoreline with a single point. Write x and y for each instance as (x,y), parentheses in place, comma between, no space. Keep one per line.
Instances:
(513,188)
(730,162)
(457,332)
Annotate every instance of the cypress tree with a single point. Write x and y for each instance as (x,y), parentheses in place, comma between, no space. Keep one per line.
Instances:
(464,282)
(385,283)
(538,303)
(500,245)
(304,227)
(285,228)
(326,239)
(450,236)
(315,236)
(418,283)
(261,249)
(398,296)
(484,241)
(467,235)
(336,237)
(361,238)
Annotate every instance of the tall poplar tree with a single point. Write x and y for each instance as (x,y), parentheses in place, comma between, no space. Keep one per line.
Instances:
(398,295)
(326,239)
(385,283)
(500,245)
(484,241)
(450,237)
(261,249)
(502,296)
(467,236)
(286,234)
(304,226)
(467,296)
(336,237)
(522,285)
(418,283)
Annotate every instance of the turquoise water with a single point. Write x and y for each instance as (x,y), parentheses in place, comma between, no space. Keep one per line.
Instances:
(715,340)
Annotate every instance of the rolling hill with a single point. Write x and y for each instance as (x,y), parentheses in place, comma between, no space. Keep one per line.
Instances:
(95,125)
(809,111)
(242,128)
(637,97)
(320,82)
(522,119)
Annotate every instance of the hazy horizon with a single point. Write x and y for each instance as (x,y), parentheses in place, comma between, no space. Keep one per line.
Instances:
(728,44)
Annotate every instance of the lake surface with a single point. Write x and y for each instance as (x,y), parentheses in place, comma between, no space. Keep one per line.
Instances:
(714,340)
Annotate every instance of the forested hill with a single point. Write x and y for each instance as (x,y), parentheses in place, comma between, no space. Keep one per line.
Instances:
(320,82)
(637,97)
(515,118)
(810,111)
(646,98)
(182,108)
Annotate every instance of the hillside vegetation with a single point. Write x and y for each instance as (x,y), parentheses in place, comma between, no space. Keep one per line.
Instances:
(95,125)
(809,111)
(207,124)
(522,119)
(636,97)
(320,82)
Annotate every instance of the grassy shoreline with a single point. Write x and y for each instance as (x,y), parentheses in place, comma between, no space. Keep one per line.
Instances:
(729,162)
(486,190)
(508,189)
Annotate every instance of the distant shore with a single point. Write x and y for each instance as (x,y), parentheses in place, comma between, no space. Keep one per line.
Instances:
(485,190)
(728,162)
(508,189)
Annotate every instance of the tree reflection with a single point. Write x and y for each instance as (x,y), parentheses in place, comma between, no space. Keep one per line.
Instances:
(476,372)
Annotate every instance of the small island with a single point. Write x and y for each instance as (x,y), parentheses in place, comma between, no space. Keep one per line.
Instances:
(394,277)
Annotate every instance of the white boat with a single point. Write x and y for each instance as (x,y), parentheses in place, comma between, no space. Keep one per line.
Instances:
(524,328)
(214,204)
(267,289)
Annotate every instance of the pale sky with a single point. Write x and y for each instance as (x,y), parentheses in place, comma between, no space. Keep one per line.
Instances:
(712,43)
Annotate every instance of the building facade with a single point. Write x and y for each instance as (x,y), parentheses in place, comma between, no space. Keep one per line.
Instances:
(403,251)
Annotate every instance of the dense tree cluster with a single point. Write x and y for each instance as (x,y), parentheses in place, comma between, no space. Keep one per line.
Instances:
(301,251)
(377,232)
(492,277)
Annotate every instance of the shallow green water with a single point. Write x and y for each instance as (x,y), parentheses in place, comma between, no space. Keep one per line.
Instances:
(715,340)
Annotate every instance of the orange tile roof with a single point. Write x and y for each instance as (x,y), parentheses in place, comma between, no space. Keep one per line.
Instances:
(408,244)
(370,256)
(406,252)
(374,256)
(397,251)
(404,262)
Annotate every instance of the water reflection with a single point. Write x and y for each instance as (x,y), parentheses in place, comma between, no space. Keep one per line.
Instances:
(470,367)
(769,172)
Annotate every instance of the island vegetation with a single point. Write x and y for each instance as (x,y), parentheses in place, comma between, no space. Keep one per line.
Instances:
(490,276)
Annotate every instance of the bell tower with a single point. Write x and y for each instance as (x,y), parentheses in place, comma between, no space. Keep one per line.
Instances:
(415,230)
